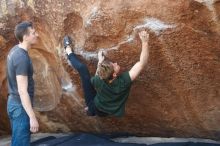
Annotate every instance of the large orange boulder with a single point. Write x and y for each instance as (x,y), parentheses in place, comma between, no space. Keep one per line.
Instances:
(177,94)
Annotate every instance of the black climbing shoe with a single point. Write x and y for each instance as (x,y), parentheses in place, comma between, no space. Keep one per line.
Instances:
(67,41)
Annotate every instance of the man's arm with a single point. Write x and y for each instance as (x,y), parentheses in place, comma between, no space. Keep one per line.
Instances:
(101,58)
(22,83)
(136,69)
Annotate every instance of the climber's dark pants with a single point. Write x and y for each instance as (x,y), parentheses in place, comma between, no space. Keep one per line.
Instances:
(88,89)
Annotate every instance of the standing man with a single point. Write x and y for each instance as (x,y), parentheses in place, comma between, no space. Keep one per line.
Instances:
(21,86)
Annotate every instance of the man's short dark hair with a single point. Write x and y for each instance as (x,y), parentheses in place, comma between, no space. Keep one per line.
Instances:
(21,29)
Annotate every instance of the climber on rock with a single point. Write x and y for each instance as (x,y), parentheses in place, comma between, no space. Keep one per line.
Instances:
(106,93)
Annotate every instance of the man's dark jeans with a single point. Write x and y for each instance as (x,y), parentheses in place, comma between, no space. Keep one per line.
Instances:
(20,125)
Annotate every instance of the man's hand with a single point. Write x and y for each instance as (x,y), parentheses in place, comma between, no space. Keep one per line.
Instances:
(34,126)
(144,36)
(101,56)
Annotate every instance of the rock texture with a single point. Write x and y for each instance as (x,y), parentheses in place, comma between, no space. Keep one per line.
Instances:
(177,94)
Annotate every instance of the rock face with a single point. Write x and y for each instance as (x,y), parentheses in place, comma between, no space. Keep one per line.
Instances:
(177,94)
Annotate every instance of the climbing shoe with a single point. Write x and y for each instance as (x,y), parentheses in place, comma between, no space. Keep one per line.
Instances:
(67,41)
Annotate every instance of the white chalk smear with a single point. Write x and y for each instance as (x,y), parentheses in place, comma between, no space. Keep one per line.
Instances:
(155,25)
(93,15)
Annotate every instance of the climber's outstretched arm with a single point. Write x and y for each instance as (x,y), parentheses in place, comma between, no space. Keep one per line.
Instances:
(137,68)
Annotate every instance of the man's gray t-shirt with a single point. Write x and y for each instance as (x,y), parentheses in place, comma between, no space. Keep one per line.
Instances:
(19,63)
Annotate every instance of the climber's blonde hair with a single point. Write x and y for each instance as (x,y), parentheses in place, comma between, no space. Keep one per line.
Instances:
(105,70)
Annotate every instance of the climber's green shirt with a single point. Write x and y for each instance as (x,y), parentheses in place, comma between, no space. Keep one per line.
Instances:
(111,97)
